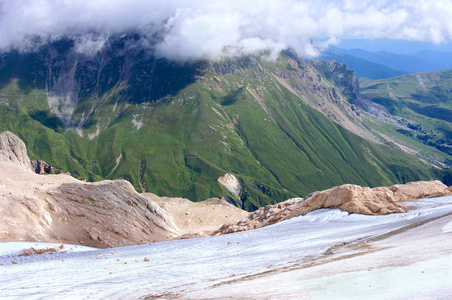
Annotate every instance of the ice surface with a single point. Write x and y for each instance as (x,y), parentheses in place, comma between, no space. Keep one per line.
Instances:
(267,258)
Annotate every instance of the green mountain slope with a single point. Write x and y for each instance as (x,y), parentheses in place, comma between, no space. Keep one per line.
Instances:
(175,129)
(423,103)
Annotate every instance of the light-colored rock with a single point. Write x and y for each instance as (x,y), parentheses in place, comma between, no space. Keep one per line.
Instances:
(59,207)
(357,199)
(13,149)
(418,189)
(231,183)
(441,193)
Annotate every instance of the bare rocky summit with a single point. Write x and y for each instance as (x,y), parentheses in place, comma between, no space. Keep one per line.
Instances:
(347,197)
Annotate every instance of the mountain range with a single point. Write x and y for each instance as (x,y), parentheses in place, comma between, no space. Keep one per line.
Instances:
(385,64)
(281,127)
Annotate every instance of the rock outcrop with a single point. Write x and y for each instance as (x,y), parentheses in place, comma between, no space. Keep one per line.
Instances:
(347,197)
(41,167)
(61,208)
(231,183)
(13,149)
(420,189)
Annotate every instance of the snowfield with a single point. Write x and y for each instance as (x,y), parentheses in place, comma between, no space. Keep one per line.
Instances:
(327,254)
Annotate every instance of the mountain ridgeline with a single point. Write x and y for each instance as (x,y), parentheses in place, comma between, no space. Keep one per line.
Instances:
(283,127)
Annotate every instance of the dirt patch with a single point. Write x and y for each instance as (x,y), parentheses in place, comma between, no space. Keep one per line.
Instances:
(33,251)
(198,218)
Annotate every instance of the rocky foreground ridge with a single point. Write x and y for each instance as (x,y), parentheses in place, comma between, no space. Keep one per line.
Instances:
(59,207)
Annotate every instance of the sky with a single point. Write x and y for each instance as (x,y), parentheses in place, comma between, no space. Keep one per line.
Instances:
(189,30)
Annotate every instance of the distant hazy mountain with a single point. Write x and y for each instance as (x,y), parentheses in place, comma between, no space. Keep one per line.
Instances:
(423,61)
(362,67)
(394,46)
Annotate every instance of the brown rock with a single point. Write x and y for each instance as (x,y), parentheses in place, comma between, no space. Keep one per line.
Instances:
(41,167)
(357,199)
(441,193)
(59,207)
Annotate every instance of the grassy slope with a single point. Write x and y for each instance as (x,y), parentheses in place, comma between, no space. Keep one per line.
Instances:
(243,122)
(424,101)
(42,142)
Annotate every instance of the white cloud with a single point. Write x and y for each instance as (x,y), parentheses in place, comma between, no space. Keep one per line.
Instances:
(208,29)
(89,43)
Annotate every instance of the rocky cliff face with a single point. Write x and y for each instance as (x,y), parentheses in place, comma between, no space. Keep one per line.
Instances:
(339,73)
(231,183)
(13,149)
(346,80)
(70,77)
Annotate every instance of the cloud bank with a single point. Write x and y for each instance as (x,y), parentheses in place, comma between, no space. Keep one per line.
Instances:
(187,30)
